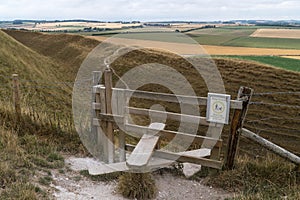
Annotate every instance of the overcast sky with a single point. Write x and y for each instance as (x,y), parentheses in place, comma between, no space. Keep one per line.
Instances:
(150,10)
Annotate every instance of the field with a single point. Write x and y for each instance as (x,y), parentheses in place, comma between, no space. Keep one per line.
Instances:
(292,57)
(184,46)
(47,65)
(219,36)
(70,26)
(225,36)
(241,37)
(281,62)
(277,33)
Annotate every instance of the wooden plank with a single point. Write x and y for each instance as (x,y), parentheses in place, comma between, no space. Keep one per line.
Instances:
(109,128)
(200,153)
(181,157)
(244,95)
(192,100)
(271,146)
(197,153)
(101,168)
(120,99)
(144,149)
(213,132)
(111,118)
(98,122)
(96,106)
(95,98)
(138,131)
(102,138)
(170,115)
(102,100)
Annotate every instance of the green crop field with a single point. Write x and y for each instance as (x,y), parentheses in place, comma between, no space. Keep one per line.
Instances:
(278,43)
(219,36)
(285,63)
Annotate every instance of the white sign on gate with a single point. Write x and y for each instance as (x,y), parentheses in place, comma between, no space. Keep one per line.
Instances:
(218,107)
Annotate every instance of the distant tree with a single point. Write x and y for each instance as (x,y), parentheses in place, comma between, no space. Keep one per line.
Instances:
(17,22)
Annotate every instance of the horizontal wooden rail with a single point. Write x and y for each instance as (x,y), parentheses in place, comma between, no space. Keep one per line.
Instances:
(192,100)
(110,118)
(271,146)
(183,158)
(166,134)
(170,115)
(139,131)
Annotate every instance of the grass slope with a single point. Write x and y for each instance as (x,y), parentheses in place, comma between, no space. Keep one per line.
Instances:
(68,51)
(31,145)
(30,65)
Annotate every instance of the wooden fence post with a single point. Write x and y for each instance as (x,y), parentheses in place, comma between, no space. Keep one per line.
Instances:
(110,132)
(16,96)
(244,95)
(96,134)
(96,81)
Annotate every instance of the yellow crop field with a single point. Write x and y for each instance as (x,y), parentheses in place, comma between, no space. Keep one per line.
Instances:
(58,26)
(277,33)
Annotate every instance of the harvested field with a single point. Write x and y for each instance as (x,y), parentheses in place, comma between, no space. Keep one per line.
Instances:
(292,57)
(222,50)
(277,33)
(185,49)
(58,26)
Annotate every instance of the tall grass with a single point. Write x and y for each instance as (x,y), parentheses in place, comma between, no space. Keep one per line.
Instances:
(270,177)
(29,145)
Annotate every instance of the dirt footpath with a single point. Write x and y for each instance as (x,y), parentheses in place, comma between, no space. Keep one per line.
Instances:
(71,185)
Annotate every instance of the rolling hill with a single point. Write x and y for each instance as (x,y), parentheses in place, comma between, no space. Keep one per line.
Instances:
(47,65)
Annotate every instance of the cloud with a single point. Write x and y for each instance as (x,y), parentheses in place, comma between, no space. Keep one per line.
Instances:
(149,10)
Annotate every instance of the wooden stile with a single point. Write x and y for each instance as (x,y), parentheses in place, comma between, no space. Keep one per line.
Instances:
(115,112)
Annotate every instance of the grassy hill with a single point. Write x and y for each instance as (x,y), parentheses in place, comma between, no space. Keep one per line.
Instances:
(47,65)
(68,51)
(45,127)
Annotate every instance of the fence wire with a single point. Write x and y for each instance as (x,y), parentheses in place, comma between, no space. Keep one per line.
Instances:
(274,104)
(276,93)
